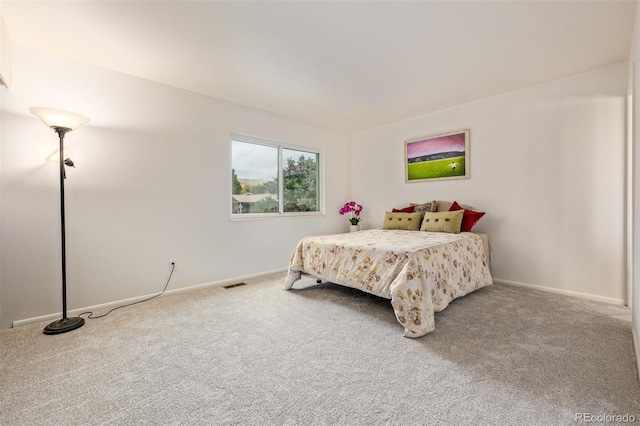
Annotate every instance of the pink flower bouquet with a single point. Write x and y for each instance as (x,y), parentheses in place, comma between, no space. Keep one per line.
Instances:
(354,209)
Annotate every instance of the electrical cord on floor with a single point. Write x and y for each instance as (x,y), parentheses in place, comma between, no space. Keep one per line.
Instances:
(173,268)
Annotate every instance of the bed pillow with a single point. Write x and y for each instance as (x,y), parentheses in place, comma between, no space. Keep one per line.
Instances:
(445,206)
(409,209)
(406,221)
(469,218)
(442,221)
(425,207)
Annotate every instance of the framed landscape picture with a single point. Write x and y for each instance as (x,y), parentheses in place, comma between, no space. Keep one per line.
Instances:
(437,157)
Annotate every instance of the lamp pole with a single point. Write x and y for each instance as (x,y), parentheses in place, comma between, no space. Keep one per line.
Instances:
(62,122)
(61,132)
(65,324)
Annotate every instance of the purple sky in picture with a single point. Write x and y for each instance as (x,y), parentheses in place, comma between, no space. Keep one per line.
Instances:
(432,146)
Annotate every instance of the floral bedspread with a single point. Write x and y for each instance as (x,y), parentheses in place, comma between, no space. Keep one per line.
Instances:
(421,272)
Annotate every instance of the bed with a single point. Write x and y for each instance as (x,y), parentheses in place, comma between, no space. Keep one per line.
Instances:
(421,272)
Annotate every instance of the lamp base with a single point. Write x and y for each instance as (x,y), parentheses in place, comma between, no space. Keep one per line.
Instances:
(64,325)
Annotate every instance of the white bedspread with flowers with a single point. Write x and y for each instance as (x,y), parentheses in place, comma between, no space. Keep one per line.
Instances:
(421,272)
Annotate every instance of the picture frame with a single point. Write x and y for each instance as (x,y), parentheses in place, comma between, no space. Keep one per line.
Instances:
(439,157)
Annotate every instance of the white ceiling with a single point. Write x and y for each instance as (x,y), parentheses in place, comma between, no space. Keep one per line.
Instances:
(347,65)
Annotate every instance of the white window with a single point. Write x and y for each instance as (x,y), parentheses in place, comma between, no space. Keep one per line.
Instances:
(270,178)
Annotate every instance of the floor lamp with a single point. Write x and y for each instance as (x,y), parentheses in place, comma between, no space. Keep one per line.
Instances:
(62,122)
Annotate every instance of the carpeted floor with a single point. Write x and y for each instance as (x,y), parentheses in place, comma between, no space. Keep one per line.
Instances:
(324,355)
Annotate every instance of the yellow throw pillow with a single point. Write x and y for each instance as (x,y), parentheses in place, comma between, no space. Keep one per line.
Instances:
(442,222)
(406,221)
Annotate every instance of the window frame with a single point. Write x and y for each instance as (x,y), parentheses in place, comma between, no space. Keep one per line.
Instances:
(281,146)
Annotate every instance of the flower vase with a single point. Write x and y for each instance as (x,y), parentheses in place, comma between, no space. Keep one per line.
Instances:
(354,228)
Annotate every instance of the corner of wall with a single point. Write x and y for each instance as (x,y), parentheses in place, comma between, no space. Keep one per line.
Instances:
(6,78)
(634,192)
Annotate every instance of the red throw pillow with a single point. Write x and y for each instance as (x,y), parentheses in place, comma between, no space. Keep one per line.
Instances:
(409,209)
(469,217)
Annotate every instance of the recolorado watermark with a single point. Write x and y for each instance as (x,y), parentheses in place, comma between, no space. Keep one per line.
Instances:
(604,418)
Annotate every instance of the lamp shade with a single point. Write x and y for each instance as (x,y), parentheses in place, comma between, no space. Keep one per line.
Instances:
(56,118)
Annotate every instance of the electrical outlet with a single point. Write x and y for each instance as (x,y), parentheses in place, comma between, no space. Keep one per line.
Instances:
(173,265)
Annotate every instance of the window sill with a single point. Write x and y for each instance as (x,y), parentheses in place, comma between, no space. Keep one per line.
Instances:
(261,216)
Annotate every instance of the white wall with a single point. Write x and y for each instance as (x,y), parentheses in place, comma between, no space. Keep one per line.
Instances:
(152,183)
(634,229)
(5,69)
(548,167)
(6,74)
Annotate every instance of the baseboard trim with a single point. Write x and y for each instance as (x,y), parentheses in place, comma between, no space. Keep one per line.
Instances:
(593,297)
(220,283)
(114,304)
(636,346)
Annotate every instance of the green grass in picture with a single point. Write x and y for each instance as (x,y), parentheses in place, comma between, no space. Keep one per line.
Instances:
(436,169)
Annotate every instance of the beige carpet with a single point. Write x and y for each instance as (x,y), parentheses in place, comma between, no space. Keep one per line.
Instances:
(324,355)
